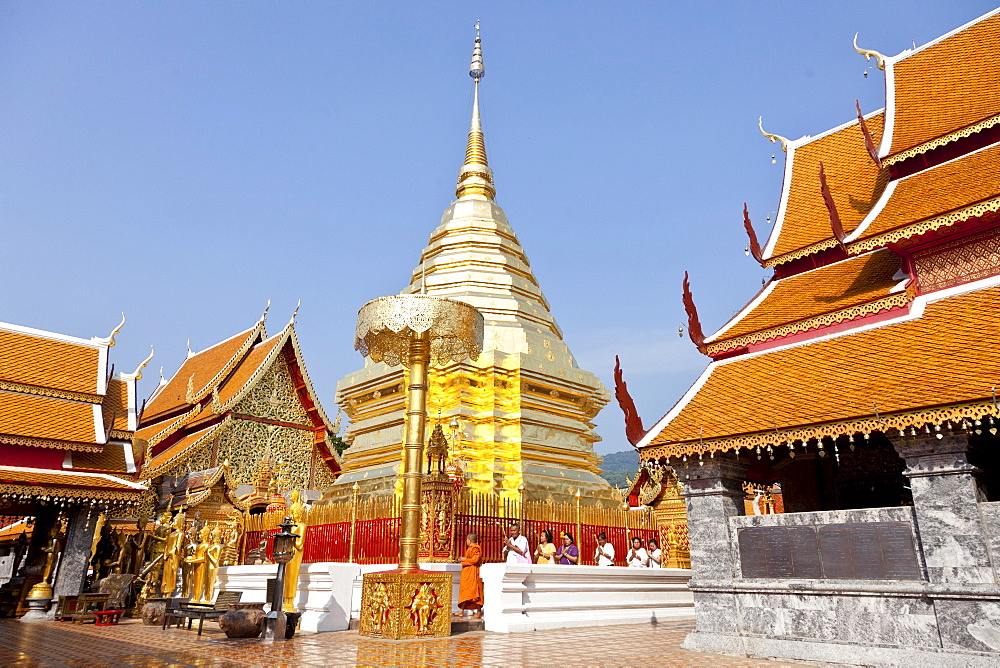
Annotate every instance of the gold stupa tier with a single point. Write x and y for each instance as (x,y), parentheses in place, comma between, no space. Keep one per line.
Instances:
(524,406)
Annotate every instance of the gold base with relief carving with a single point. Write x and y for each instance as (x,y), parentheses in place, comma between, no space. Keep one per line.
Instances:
(402,605)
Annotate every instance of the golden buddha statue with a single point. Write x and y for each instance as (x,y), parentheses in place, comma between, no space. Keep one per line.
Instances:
(198,562)
(213,558)
(298,511)
(172,551)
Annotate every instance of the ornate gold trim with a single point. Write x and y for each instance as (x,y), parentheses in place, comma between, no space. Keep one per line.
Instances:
(832,318)
(926,225)
(72,493)
(917,418)
(802,252)
(50,392)
(31,442)
(967,131)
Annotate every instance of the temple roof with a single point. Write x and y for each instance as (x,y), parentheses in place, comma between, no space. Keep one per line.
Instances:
(934,198)
(201,372)
(944,90)
(929,365)
(802,226)
(835,293)
(182,421)
(56,394)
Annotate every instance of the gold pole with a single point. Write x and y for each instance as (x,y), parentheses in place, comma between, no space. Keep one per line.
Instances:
(416,417)
(354,520)
(579,529)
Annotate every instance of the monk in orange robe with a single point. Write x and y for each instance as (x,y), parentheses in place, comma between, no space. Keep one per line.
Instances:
(470,591)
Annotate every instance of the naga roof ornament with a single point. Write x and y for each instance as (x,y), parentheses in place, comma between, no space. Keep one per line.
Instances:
(695,332)
(109,340)
(773,138)
(753,247)
(836,225)
(869,54)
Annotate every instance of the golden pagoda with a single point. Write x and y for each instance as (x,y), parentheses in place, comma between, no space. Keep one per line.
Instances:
(521,415)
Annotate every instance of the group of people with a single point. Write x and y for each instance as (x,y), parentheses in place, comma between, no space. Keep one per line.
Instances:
(516,551)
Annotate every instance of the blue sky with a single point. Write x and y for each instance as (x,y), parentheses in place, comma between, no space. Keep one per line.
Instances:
(185,162)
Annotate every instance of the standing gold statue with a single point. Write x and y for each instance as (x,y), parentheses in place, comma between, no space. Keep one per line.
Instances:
(172,551)
(198,562)
(52,548)
(213,558)
(298,511)
(187,567)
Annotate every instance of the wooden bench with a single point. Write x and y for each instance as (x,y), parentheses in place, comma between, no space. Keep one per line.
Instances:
(201,612)
(87,605)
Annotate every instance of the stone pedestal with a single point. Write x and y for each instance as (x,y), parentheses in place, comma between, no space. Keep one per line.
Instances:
(399,605)
(38,610)
(946,498)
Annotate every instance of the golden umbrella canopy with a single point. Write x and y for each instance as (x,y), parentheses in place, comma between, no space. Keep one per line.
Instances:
(387,325)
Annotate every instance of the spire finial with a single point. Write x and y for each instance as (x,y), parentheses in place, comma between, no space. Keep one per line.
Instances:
(475,179)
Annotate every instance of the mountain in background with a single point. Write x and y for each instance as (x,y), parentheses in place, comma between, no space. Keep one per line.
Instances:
(617,464)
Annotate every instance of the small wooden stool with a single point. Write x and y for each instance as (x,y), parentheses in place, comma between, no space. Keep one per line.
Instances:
(107,617)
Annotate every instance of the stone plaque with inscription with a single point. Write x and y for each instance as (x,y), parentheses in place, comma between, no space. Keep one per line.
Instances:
(862,551)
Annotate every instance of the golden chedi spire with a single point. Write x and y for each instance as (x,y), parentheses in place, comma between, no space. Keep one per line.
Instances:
(475,179)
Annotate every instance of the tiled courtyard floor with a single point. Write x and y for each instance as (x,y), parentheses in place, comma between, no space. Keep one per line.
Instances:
(132,644)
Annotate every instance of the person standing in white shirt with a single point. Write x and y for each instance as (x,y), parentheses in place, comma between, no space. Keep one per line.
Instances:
(604,555)
(655,554)
(515,548)
(637,556)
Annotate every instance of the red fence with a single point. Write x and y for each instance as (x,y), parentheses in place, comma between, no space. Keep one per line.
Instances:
(377,541)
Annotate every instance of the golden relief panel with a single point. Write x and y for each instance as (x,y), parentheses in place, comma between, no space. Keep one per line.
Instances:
(245,443)
(322,476)
(399,606)
(273,397)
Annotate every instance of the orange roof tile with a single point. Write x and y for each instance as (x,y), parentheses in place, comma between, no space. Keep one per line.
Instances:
(854,180)
(111,458)
(947,86)
(61,365)
(116,404)
(810,296)
(917,201)
(938,359)
(34,416)
(204,367)
(47,477)
(247,368)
